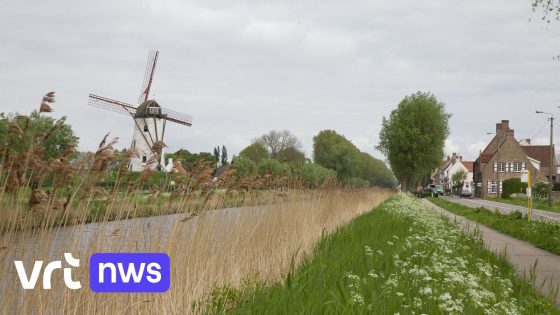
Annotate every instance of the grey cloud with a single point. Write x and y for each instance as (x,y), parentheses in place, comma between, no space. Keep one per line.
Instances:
(242,68)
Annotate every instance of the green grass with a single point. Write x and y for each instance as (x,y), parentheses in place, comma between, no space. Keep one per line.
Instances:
(545,235)
(540,204)
(400,258)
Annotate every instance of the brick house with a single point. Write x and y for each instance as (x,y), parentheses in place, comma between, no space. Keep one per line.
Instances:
(514,157)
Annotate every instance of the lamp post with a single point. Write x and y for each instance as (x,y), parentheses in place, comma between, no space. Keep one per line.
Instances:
(551,163)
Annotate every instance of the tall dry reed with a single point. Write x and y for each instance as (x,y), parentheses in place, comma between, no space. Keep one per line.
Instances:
(207,250)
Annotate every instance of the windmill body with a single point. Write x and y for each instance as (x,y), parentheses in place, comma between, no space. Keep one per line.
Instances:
(149,122)
(148,129)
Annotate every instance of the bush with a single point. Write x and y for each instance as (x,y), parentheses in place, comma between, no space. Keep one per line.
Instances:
(513,186)
(315,175)
(244,167)
(540,190)
(273,167)
(358,182)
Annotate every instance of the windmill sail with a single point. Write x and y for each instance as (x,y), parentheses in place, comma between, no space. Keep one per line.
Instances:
(112,105)
(176,117)
(148,76)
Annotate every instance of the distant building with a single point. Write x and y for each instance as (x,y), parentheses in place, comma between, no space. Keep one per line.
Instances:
(493,166)
(449,167)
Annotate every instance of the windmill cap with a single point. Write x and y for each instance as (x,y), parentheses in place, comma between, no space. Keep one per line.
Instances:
(142,109)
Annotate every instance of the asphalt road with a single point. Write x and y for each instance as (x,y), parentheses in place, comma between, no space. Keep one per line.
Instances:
(504,208)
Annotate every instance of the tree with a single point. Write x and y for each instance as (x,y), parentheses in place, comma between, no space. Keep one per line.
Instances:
(224,156)
(334,151)
(290,155)
(337,153)
(60,135)
(277,141)
(255,152)
(458,178)
(217,154)
(413,137)
(187,158)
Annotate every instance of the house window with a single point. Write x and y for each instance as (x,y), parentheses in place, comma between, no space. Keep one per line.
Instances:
(493,188)
(144,159)
(517,167)
(134,143)
(145,127)
(502,167)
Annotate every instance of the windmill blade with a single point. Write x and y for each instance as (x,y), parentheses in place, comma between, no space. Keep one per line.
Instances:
(112,105)
(148,76)
(176,117)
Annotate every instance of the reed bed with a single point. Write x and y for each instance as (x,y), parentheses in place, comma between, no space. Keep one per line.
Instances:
(208,250)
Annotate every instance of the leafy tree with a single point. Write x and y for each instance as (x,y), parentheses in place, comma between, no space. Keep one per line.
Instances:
(458,178)
(255,152)
(413,136)
(187,158)
(334,151)
(61,136)
(224,156)
(337,153)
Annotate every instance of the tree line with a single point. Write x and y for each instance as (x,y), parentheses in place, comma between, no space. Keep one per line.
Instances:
(335,159)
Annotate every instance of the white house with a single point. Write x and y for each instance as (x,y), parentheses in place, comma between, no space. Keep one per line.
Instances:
(451,166)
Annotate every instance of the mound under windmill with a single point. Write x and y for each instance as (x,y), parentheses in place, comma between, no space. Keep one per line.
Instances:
(149,121)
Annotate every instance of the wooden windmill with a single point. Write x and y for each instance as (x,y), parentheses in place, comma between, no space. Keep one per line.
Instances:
(149,121)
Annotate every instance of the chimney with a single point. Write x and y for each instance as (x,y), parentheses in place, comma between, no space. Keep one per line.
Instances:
(498,127)
(461,158)
(505,124)
(528,141)
(454,155)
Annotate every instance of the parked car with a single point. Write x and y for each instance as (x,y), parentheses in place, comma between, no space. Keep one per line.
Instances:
(440,190)
(466,192)
(427,192)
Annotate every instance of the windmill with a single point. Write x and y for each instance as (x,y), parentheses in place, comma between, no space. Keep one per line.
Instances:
(149,121)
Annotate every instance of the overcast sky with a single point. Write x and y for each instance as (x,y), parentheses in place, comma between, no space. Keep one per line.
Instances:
(242,68)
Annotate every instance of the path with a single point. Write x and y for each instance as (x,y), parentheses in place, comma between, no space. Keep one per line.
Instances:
(503,207)
(521,254)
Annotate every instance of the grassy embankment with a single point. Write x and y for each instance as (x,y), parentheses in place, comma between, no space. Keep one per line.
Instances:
(542,234)
(400,258)
(541,204)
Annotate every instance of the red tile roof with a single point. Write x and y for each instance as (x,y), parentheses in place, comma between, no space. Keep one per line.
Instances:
(539,152)
(469,165)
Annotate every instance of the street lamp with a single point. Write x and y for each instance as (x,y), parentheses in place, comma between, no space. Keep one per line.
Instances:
(551,164)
